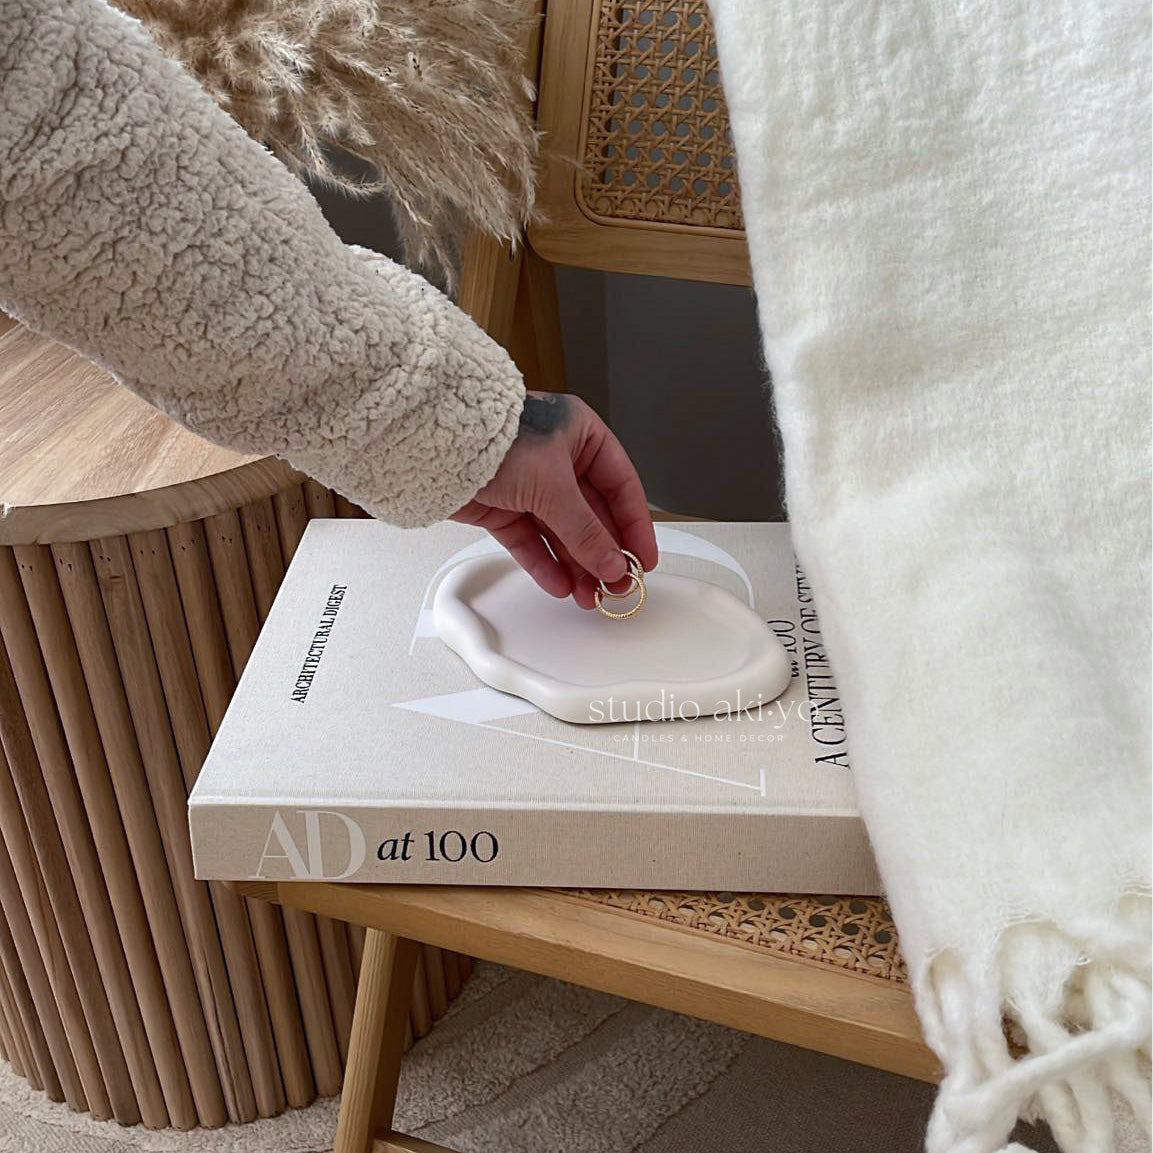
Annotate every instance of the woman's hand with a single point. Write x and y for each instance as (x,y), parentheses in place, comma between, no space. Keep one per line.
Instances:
(565,500)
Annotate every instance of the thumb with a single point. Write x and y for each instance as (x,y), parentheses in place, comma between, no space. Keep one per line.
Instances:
(583,533)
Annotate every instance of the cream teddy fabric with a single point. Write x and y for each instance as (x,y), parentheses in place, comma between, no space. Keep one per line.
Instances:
(947,206)
(142,227)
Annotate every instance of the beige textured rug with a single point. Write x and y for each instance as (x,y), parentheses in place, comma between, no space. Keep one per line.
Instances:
(522,1064)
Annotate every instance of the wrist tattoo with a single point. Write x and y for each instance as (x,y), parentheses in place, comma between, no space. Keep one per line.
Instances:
(544,413)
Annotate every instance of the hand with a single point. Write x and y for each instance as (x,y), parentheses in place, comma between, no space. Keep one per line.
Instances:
(565,500)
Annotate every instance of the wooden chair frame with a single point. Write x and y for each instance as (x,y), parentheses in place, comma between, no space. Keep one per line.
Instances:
(548,932)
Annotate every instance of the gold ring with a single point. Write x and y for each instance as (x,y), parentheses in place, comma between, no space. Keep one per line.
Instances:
(599,596)
(636,576)
(636,573)
(634,562)
(635,583)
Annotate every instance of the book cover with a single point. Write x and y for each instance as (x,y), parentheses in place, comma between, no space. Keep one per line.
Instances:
(358,747)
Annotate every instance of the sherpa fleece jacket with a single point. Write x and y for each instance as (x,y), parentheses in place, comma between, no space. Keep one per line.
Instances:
(141,226)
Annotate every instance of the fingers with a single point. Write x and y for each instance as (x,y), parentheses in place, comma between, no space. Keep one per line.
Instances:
(528,549)
(582,532)
(600,506)
(521,537)
(583,584)
(612,474)
(574,487)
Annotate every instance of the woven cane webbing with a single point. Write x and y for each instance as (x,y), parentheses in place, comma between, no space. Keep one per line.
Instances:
(854,933)
(657,141)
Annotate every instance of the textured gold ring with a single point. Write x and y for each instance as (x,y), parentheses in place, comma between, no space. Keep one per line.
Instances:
(636,576)
(599,596)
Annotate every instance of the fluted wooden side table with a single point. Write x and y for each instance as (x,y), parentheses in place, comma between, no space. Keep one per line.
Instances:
(137,562)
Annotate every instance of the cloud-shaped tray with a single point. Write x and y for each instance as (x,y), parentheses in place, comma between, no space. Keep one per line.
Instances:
(694,650)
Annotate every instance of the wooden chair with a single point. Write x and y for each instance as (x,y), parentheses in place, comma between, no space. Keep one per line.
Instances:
(638,177)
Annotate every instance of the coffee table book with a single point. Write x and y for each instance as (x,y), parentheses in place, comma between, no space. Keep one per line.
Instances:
(358,747)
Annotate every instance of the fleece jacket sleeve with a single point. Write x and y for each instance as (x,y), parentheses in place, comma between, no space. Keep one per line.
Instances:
(141,226)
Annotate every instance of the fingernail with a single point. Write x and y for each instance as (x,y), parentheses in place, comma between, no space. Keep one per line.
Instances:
(613,566)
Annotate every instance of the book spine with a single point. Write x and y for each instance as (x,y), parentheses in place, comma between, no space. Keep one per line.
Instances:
(800,853)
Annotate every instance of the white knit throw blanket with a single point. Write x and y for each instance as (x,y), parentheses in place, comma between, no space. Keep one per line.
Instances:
(947,205)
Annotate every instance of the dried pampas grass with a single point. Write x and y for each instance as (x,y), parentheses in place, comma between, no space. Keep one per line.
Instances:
(429,94)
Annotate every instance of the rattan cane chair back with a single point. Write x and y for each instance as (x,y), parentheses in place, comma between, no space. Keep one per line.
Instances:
(638,170)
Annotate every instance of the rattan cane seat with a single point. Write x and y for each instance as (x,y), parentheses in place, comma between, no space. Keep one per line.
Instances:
(853,933)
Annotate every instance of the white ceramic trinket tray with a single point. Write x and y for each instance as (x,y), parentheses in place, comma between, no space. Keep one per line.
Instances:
(694,650)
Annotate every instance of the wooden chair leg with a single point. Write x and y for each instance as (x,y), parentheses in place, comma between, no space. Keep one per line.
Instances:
(376,1046)
(490,273)
(489,280)
(535,340)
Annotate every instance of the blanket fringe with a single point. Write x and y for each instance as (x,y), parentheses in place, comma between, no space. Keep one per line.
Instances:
(1081,1013)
